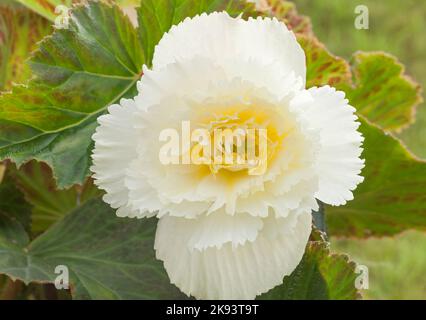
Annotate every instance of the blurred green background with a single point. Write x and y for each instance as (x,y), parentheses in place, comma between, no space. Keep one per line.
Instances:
(397,266)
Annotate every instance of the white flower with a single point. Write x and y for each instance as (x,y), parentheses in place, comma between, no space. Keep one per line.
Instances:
(223,233)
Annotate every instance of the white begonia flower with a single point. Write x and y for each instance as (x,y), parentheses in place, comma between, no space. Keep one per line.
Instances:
(223,233)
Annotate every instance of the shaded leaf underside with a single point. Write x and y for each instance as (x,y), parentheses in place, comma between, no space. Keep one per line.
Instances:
(107,257)
(50,204)
(13,204)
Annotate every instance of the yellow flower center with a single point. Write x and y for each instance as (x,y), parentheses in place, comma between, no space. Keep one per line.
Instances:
(242,141)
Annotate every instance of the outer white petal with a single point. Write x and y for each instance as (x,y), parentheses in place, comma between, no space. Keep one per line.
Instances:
(115,141)
(339,163)
(219,37)
(232,272)
(216,229)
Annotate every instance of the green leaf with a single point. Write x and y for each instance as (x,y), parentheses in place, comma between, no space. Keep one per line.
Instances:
(319,276)
(157,16)
(382,92)
(107,257)
(13,203)
(78,73)
(49,204)
(322,67)
(414,135)
(45,8)
(392,197)
(287,12)
(17,43)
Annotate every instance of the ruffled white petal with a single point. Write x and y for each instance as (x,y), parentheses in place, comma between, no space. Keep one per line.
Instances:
(232,272)
(217,229)
(144,198)
(115,141)
(221,38)
(339,164)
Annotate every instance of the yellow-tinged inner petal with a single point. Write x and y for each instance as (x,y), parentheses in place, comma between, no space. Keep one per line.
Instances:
(244,140)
